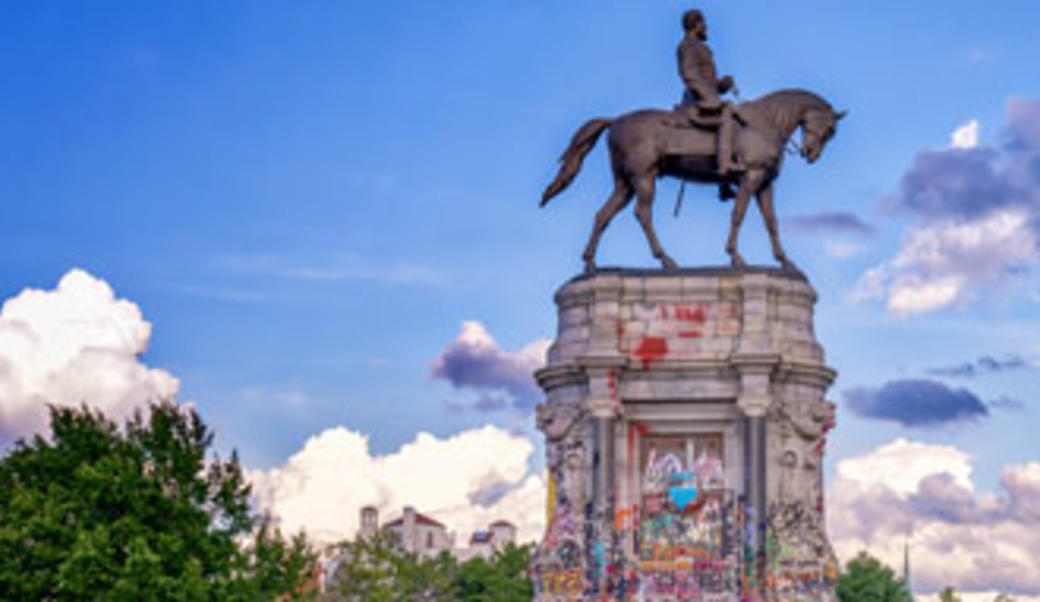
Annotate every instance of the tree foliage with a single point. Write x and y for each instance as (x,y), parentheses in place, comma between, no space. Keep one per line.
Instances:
(502,578)
(375,569)
(95,512)
(866,579)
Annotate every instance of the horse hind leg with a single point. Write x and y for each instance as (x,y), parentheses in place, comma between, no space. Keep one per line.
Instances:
(644,213)
(620,197)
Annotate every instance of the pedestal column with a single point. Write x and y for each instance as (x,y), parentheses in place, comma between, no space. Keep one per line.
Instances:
(756,372)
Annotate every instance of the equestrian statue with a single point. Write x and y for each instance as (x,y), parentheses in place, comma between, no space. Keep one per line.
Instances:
(704,139)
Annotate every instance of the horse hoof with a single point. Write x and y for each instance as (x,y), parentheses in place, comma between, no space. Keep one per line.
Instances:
(737,262)
(789,267)
(590,266)
(669,264)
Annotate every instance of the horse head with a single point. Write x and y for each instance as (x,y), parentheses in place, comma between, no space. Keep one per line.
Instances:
(818,126)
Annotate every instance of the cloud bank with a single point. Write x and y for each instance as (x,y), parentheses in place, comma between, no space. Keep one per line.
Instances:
(74,344)
(466,481)
(837,222)
(986,364)
(916,402)
(974,542)
(978,219)
(475,362)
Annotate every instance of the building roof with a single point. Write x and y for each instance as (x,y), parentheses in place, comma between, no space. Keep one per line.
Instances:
(502,523)
(480,537)
(420,519)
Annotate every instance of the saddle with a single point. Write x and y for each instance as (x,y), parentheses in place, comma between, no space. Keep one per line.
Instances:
(697,118)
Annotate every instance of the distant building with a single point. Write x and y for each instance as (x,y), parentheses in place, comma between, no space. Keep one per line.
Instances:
(485,543)
(420,534)
(906,571)
(413,531)
(369,522)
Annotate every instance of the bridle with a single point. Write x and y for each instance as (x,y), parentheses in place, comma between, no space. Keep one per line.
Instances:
(792,147)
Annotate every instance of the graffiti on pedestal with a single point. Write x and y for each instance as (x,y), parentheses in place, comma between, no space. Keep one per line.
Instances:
(559,568)
(802,565)
(687,539)
(656,331)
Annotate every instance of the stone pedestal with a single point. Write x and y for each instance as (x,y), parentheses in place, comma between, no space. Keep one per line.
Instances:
(685,424)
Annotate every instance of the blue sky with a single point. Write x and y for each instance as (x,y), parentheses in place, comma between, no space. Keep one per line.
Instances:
(307,200)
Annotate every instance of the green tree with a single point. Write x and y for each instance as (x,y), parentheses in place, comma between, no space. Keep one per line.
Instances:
(867,580)
(948,595)
(1003,597)
(96,512)
(502,578)
(376,569)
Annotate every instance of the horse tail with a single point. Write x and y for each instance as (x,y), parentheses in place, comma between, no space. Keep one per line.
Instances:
(570,161)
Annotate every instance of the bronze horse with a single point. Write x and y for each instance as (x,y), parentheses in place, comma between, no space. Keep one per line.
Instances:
(648,144)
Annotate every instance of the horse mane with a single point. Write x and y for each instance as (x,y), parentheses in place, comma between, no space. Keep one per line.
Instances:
(784,108)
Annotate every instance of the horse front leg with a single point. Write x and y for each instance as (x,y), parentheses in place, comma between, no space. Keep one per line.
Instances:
(748,184)
(644,213)
(768,209)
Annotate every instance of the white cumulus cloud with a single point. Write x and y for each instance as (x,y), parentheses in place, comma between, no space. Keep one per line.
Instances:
(902,464)
(922,493)
(938,265)
(966,136)
(74,344)
(466,481)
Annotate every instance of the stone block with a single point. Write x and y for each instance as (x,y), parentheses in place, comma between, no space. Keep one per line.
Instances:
(700,287)
(644,311)
(575,333)
(576,315)
(606,310)
(663,288)
(757,306)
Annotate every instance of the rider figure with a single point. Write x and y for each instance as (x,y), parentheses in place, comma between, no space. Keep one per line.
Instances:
(701,102)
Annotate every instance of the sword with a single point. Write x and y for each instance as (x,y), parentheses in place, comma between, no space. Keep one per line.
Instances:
(678,200)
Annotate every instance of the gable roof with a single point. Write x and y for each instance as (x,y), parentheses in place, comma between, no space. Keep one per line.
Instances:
(420,519)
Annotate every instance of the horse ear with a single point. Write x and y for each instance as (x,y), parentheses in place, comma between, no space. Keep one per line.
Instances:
(840,115)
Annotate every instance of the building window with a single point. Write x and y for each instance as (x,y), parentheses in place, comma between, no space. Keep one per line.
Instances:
(429,540)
